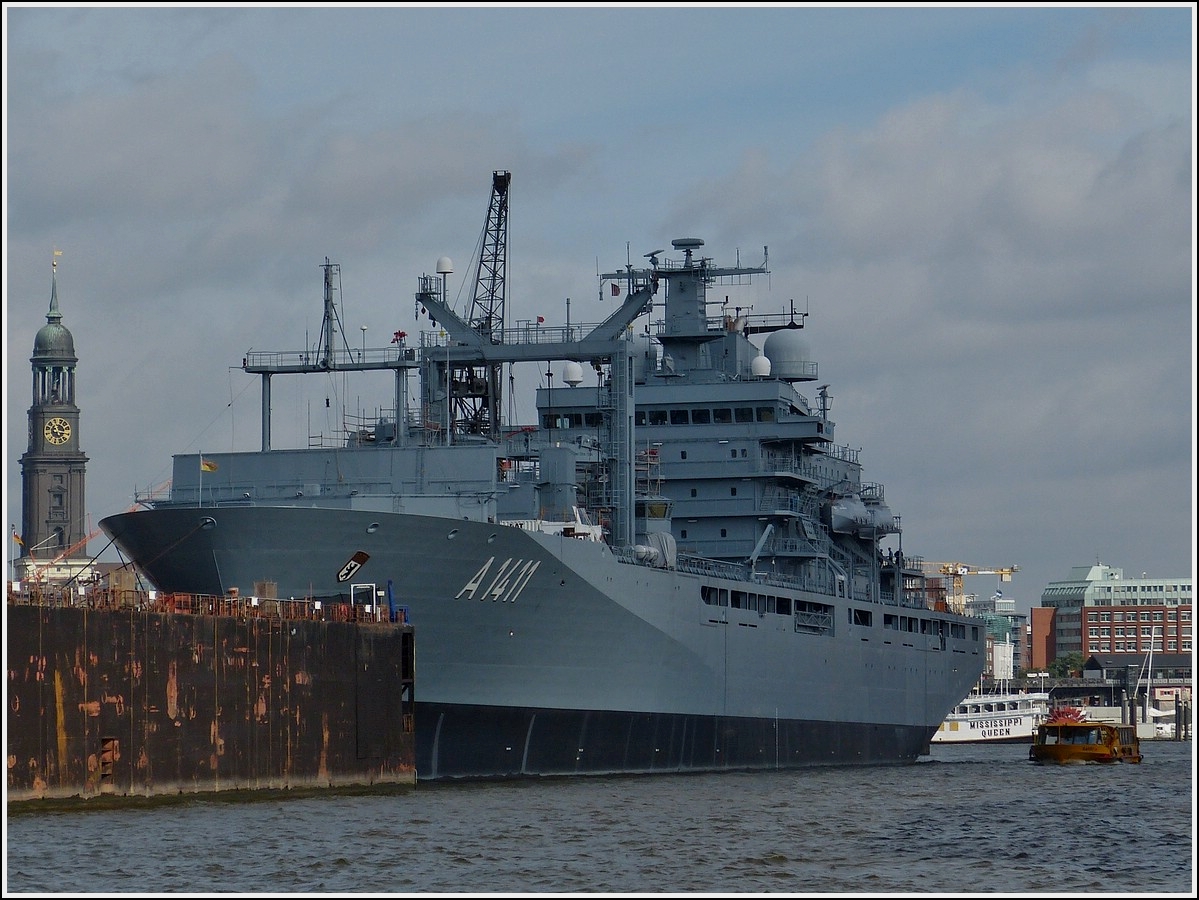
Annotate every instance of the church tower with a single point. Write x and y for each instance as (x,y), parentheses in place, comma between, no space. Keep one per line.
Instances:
(53,516)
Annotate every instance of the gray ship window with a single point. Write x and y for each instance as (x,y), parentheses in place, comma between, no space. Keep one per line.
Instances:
(593,420)
(743,414)
(722,415)
(657,417)
(733,453)
(859,616)
(683,534)
(732,492)
(639,417)
(678,417)
(738,600)
(701,416)
(784,606)
(891,621)
(765,413)
(743,453)
(724,533)
(683,455)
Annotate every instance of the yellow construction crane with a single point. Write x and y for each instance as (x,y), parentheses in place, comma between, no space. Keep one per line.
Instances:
(958,571)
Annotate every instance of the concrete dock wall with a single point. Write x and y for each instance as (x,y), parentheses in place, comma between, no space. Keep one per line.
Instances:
(129,702)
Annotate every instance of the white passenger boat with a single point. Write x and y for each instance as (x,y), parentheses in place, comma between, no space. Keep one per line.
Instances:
(994,718)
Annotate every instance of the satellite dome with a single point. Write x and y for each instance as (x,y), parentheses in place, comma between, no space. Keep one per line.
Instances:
(572,373)
(789,355)
(760,366)
(444,265)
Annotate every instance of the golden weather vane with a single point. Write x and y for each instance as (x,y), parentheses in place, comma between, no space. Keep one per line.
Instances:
(54,261)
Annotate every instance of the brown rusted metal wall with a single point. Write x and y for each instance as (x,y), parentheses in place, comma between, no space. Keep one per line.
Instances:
(137,703)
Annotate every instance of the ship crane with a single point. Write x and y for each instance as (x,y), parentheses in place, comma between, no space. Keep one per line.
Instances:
(957,571)
(475,386)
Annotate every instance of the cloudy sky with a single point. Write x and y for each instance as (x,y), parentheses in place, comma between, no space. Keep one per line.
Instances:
(988,213)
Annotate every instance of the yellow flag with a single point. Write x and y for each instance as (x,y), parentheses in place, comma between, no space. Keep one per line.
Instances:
(207,465)
(16,537)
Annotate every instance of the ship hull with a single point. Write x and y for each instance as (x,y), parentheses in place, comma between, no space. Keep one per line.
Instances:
(491,742)
(543,654)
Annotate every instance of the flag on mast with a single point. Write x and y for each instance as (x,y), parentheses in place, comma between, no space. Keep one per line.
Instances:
(207,465)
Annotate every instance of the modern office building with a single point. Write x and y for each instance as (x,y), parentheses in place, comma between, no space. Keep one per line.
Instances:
(1097,610)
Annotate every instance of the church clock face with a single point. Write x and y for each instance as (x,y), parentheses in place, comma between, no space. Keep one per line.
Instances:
(57,430)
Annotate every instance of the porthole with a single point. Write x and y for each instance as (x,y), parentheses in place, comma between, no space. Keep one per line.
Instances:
(372,527)
(208,523)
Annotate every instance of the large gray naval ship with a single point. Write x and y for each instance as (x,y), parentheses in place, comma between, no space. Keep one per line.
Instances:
(677,568)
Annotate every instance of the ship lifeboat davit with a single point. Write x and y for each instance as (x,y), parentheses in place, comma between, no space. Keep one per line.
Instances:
(852,515)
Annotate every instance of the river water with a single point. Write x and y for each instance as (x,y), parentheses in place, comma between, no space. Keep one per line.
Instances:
(965,820)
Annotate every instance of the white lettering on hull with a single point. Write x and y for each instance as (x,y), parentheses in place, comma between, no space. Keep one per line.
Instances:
(508,584)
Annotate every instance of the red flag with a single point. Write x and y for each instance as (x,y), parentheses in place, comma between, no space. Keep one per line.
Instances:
(540,319)
(615,289)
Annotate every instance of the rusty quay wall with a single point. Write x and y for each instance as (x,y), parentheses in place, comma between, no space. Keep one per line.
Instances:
(131,702)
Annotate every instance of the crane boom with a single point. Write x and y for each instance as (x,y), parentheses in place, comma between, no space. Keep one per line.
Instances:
(957,571)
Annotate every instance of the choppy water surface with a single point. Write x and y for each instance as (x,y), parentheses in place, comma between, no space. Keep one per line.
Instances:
(965,820)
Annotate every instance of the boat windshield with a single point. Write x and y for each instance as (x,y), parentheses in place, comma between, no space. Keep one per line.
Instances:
(1073,736)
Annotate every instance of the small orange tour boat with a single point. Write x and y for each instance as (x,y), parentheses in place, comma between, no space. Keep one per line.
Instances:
(1067,737)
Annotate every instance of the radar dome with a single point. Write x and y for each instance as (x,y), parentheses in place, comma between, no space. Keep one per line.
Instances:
(572,373)
(760,366)
(445,265)
(789,356)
